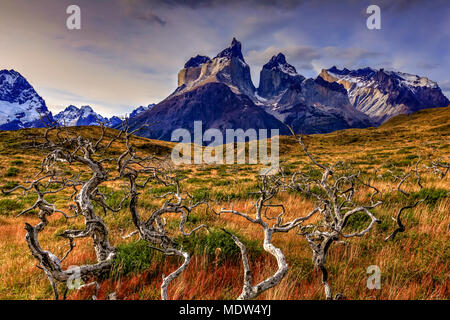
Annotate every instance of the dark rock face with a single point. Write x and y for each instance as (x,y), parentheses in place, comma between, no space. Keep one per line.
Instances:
(307,105)
(234,51)
(333,86)
(214,104)
(276,76)
(318,106)
(308,120)
(235,71)
(196,61)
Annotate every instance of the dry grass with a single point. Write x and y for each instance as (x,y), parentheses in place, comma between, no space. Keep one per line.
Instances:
(414,266)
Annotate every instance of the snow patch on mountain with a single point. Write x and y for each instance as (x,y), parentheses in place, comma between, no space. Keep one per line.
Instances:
(382,94)
(365,77)
(20,105)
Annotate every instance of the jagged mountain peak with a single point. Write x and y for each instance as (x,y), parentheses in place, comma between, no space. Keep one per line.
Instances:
(71,108)
(277,76)
(140,109)
(234,50)
(84,116)
(13,85)
(228,67)
(12,73)
(381,75)
(279,62)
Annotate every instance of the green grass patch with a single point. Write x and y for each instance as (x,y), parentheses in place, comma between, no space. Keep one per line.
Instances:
(10,207)
(16,163)
(10,185)
(432,195)
(208,243)
(12,172)
(133,258)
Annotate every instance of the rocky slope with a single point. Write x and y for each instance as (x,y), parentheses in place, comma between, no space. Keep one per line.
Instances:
(228,67)
(214,104)
(307,105)
(220,93)
(383,94)
(20,105)
(140,109)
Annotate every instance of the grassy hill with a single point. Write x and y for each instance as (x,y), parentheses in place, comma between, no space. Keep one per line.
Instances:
(414,266)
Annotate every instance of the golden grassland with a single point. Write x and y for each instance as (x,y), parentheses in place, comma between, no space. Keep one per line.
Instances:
(414,266)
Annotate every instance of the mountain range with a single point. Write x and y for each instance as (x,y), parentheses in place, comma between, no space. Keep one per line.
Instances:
(219,92)
(22,107)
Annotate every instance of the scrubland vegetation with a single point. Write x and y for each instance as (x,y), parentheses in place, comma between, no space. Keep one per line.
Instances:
(414,265)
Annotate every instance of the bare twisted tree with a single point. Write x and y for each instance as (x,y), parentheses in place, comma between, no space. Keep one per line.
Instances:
(148,169)
(65,146)
(438,167)
(334,194)
(62,146)
(268,189)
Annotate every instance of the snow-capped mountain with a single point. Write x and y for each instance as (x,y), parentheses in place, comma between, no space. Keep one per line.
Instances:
(84,116)
(307,105)
(20,105)
(220,93)
(140,109)
(382,94)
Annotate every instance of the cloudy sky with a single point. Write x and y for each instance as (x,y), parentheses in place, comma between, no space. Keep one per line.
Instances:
(128,52)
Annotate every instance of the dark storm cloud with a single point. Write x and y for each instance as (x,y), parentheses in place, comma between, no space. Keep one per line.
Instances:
(402,5)
(217,3)
(139,10)
(128,52)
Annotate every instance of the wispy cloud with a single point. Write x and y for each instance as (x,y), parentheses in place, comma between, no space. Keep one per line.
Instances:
(128,52)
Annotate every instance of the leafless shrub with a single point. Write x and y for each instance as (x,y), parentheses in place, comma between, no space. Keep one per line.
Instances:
(61,146)
(333,194)
(64,145)
(133,167)
(268,189)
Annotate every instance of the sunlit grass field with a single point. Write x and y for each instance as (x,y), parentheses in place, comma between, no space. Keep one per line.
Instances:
(414,266)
